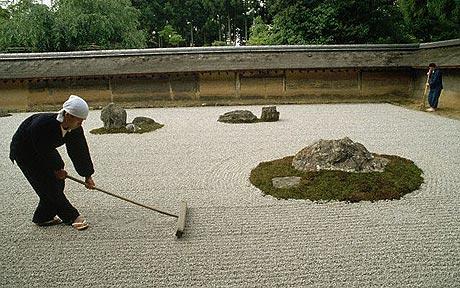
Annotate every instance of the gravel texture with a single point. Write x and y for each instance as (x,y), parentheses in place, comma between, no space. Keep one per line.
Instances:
(235,236)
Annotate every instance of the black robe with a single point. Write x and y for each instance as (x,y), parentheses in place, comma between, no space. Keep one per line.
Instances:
(37,138)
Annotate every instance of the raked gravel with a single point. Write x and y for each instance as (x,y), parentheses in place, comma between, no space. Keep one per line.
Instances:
(235,236)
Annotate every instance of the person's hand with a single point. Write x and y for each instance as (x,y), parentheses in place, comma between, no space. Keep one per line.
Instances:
(89,183)
(60,174)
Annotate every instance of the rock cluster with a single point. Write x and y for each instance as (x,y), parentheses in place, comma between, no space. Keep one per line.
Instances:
(269,114)
(342,154)
(115,116)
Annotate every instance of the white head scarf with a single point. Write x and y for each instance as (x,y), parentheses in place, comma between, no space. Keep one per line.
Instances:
(75,106)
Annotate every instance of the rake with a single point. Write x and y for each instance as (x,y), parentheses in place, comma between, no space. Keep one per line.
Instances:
(181,218)
(424,100)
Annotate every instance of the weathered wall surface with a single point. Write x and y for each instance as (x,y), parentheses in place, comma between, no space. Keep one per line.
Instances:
(451,93)
(29,81)
(278,85)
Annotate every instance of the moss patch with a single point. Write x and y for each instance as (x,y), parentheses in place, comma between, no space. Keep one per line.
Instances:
(401,176)
(143,129)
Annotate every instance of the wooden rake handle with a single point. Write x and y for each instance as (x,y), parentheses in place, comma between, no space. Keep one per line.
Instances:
(123,198)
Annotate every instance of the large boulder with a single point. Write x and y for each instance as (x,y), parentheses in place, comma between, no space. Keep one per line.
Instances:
(113,116)
(269,114)
(342,154)
(238,116)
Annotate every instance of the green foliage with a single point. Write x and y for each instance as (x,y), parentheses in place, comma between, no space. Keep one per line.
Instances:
(377,21)
(401,176)
(4,15)
(431,20)
(88,24)
(107,24)
(71,25)
(28,28)
(170,36)
(259,33)
(187,18)
(204,21)
(314,26)
(336,22)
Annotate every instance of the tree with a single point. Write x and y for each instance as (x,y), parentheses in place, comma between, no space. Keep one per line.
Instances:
(229,18)
(204,21)
(376,21)
(187,18)
(28,27)
(447,15)
(4,15)
(170,37)
(153,17)
(431,20)
(304,22)
(335,21)
(85,24)
(259,33)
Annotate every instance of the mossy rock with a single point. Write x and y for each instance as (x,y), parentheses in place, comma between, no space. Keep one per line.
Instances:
(238,116)
(401,176)
(143,128)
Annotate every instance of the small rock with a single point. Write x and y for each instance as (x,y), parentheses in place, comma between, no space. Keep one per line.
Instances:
(286,182)
(131,127)
(138,121)
(269,114)
(238,116)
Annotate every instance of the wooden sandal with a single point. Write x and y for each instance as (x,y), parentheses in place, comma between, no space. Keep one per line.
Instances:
(80,225)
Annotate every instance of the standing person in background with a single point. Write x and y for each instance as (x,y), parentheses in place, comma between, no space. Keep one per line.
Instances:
(33,147)
(435,85)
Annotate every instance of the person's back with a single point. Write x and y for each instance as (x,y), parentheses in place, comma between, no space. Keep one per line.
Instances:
(436,79)
(21,144)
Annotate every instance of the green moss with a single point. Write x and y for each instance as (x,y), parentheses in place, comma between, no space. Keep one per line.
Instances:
(401,176)
(143,129)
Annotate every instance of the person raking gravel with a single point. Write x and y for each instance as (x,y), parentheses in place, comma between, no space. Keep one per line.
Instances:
(33,147)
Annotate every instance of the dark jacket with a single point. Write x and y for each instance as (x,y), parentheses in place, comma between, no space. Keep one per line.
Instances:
(435,80)
(37,138)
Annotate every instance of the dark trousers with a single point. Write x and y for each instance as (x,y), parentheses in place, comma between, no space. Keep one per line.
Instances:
(51,193)
(433,97)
